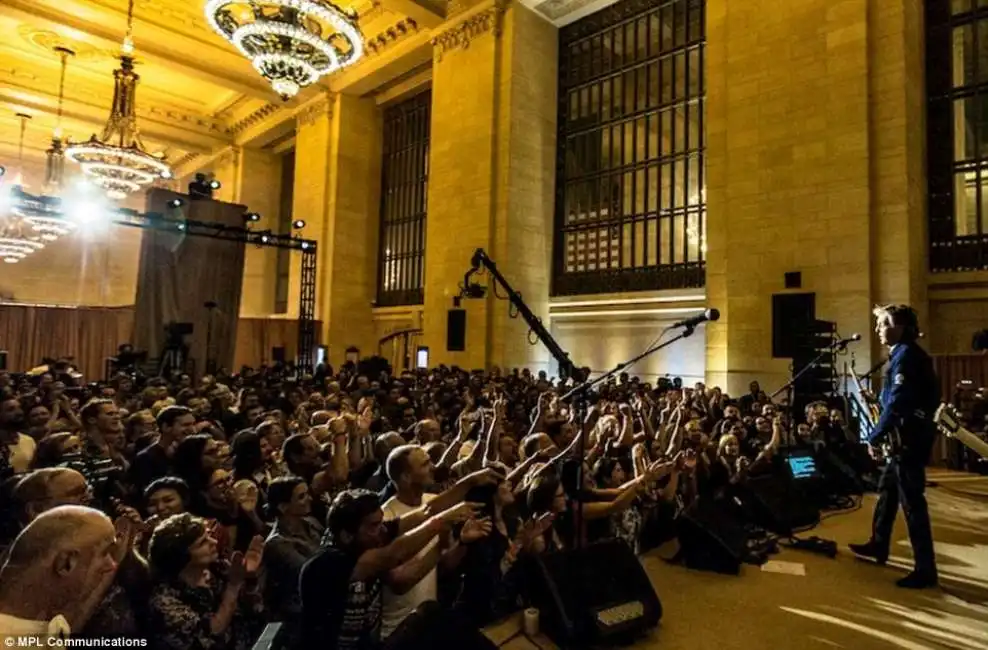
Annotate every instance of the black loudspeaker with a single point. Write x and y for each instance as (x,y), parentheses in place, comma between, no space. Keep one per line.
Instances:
(456,330)
(599,594)
(792,313)
(278,354)
(432,626)
(780,505)
(711,538)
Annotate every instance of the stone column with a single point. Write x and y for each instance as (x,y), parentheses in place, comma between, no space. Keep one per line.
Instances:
(313,151)
(258,183)
(491,176)
(349,276)
(814,163)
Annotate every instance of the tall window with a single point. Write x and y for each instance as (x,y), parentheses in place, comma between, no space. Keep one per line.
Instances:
(630,196)
(404,189)
(957,138)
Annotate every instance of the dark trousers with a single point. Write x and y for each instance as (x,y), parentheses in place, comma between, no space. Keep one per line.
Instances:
(903,481)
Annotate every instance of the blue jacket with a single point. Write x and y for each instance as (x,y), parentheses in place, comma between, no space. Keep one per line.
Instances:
(910,394)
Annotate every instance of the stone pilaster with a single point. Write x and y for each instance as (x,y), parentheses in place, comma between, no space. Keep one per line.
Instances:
(258,183)
(313,153)
(814,165)
(491,175)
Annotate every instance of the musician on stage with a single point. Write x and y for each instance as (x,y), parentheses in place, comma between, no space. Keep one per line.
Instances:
(910,395)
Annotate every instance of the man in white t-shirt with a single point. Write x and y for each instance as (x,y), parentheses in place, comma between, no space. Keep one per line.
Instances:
(415,582)
(20,447)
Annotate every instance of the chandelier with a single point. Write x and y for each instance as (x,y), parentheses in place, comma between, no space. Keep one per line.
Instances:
(117,161)
(55,155)
(18,238)
(292,43)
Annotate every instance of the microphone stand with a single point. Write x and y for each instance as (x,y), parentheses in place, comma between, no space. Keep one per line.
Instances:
(581,392)
(790,385)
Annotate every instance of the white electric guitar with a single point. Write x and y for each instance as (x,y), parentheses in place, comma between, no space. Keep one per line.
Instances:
(948,422)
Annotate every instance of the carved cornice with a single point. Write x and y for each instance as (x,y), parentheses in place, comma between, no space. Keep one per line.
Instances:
(229,156)
(391,35)
(466,28)
(256,117)
(310,112)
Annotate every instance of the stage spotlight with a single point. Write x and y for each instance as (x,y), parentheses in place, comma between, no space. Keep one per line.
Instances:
(305,245)
(265,239)
(181,227)
(298,224)
(175,203)
(252,217)
(215,184)
(167,174)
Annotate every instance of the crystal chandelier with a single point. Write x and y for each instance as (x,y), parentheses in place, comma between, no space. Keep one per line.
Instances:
(117,161)
(55,156)
(18,239)
(292,43)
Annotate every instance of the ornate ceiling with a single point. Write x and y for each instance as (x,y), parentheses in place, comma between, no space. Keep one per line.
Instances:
(197,93)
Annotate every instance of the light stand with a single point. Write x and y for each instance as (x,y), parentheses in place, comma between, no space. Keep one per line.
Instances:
(210,359)
(581,392)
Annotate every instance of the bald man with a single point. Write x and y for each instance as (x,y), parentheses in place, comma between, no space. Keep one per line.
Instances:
(44,489)
(57,572)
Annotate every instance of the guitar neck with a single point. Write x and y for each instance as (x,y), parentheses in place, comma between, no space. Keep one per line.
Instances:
(969,440)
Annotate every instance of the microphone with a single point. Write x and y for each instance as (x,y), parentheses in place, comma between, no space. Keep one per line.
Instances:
(693,321)
(842,343)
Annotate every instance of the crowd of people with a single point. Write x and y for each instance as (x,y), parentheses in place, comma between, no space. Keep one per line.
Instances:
(349,506)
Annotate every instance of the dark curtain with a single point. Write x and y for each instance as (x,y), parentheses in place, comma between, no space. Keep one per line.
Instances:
(89,335)
(179,274)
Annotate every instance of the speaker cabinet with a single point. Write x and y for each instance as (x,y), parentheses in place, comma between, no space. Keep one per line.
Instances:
(599,594)
(456,330)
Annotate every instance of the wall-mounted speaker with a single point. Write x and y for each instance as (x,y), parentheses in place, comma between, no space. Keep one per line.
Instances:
(456,330)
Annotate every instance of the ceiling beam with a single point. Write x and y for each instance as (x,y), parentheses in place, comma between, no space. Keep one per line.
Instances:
(176,135)
(181,56)
(422,15)
(396,60)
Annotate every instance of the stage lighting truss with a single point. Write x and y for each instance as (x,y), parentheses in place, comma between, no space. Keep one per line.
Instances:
(291,43)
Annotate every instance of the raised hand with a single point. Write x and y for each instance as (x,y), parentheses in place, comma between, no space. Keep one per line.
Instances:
(743,463)
(254,555)
(126,531)
(475,530)
(459,513)
(482,477)
(365,420)
(237,572)
(246,494)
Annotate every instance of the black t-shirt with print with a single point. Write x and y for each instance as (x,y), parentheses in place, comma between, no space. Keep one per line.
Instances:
(338,612)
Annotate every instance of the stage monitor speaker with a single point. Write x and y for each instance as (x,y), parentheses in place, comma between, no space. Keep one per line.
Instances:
(792,313)
(781,504)
(598,594)
(711,538)
(456,330)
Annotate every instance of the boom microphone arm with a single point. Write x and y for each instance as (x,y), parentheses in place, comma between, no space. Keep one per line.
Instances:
(473,290)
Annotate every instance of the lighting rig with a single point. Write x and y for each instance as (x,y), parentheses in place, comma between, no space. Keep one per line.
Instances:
(174,221)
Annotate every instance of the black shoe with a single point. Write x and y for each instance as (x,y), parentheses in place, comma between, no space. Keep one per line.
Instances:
(918,580)
(871,551)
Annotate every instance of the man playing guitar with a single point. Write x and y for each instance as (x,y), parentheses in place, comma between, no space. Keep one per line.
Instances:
(910,395)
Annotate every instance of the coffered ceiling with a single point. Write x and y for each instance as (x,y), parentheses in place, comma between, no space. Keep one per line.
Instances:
(197,94)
